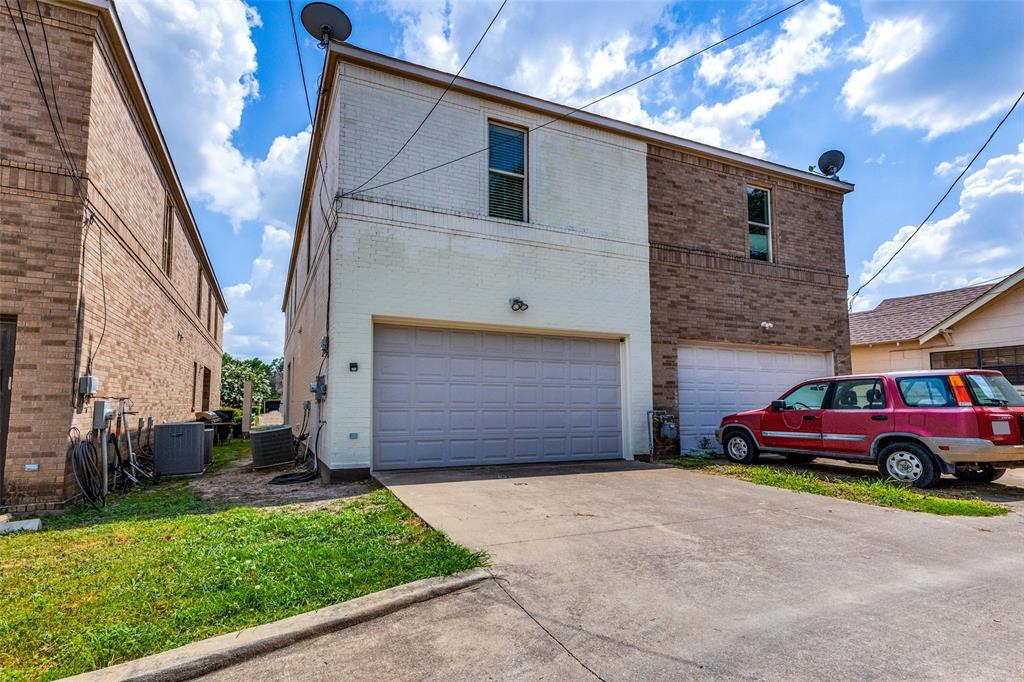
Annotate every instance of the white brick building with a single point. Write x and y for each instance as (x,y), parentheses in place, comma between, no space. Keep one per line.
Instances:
(421,280)
(411,273)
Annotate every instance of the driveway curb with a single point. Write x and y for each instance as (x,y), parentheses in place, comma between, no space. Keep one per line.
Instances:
(199,658)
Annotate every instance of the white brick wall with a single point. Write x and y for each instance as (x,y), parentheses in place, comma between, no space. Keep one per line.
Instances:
(423,251)
(577,176)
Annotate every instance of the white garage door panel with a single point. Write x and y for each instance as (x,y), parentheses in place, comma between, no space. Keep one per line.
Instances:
(457,398)
(716,380)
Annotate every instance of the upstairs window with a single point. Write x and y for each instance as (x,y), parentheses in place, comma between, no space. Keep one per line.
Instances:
(759,223)
(506,172)
(167,250)
(199,292)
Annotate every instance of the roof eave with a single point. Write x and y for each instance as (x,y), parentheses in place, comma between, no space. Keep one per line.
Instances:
(519,100)
(978,303)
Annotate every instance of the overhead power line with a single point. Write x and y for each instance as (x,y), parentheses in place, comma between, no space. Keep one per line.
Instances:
(437,101)
(945,194)
(576,110)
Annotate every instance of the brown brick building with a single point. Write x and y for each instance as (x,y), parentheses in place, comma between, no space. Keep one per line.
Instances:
(106,276)
(742,305)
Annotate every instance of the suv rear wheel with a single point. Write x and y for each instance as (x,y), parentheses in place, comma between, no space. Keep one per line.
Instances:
(740,448)
(908,463)
(978,473)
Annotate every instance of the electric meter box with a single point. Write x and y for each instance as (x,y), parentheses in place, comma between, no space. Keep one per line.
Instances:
(100,411)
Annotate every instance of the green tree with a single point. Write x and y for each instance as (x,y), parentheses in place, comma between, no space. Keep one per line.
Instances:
(234,372)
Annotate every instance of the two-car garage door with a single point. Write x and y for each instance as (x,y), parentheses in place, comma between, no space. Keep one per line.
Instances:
(446,397)
(718,380)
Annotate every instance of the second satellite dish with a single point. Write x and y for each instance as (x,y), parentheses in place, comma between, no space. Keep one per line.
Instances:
(831,162)
(326,23)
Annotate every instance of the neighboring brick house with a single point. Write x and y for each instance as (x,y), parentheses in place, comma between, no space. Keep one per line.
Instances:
(118,286)
(976,327)
(608,232)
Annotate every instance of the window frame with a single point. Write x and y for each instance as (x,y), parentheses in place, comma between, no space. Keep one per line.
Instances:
(526,168)
(835,390)
(167,251)
(826,399)
(942,378)
(769,231)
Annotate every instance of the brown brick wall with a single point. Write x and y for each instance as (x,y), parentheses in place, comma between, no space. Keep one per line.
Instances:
(705,288)
(152,334)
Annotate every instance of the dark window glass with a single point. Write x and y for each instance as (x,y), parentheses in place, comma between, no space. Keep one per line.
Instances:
(759,223)
(859,394)
(1006,359)
(506,176)
(926,392)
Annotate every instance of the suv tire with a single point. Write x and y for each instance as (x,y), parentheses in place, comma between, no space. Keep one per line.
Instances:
(740,448)
(908,463)
(979,473)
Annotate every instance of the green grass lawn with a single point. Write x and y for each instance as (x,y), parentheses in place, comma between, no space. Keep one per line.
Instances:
(870,490)
(162,568)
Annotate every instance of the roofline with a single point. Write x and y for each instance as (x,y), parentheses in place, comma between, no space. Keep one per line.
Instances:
(337,52)
(111,22)
(519,100)
(981,301)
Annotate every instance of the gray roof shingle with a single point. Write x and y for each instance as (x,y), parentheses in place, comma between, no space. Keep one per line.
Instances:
(908,317)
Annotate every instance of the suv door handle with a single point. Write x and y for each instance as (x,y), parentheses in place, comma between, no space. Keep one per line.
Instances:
(879,418)
(809,417)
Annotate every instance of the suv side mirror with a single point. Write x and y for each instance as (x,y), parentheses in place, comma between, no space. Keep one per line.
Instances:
(778,405)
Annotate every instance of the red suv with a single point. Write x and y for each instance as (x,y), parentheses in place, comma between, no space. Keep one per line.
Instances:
(915,426)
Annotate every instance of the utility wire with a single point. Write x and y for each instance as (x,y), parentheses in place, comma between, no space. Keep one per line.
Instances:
(590,104)
(437,101)
(937,204)
(309,111)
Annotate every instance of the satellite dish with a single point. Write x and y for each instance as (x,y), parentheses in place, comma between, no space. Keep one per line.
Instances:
(326,23)
(831,162)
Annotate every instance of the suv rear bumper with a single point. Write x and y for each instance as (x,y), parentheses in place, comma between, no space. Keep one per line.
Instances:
(960,450)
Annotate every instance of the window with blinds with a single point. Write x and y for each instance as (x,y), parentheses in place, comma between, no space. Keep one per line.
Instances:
(506,172)
(1006,359)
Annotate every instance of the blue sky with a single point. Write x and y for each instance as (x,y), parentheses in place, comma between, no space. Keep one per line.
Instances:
(905,89)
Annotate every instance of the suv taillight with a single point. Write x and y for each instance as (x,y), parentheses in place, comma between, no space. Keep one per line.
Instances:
(960,392)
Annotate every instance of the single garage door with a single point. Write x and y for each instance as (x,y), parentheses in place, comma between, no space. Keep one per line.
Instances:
(456,398)
(718,380)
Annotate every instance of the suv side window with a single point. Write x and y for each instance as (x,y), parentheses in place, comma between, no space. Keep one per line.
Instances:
(806,397)
(858,394)
(926,392)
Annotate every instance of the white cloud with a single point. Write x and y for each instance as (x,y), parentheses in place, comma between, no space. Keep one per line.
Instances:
(949,167)
(255,326)
(201,72)
(800,49)
(201,75)
(570,58)
(982,239)
(909,77)
(876,160)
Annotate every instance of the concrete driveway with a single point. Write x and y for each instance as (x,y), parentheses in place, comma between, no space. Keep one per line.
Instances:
(637,572)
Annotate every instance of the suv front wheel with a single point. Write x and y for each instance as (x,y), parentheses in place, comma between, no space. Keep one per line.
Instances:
(740,448)
(908,463)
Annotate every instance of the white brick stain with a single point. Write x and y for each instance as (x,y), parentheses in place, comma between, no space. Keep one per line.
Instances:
(423,250)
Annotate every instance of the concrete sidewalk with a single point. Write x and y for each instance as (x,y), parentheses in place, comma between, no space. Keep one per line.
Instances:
(628,571)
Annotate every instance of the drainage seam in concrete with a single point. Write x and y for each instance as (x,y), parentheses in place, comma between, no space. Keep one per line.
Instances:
(576,658)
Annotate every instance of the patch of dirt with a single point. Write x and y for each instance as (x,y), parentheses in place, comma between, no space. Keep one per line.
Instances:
(238,484)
